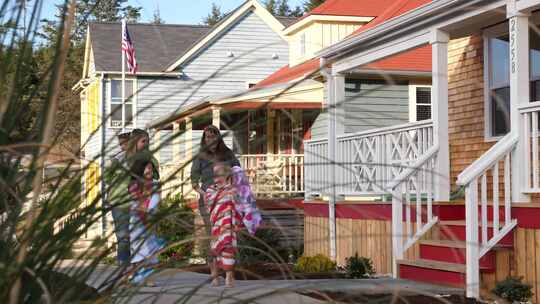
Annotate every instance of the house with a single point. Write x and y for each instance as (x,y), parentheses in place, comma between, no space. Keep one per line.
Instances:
(482,138)
(269,121)
(178,66)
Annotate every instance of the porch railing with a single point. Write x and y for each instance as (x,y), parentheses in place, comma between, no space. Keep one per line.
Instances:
(274,174)
(530,118)
(175,180)
(415,185)
(489,167)
(316,166)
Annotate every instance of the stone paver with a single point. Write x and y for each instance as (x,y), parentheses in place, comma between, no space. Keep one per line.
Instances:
(175,286)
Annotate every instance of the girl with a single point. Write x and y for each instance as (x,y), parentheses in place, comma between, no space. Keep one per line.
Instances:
(145,199)
(139,149)
(221,198)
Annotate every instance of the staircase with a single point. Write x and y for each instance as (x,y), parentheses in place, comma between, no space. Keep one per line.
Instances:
(441,257)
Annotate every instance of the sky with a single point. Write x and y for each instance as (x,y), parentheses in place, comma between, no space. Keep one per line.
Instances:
(172,11)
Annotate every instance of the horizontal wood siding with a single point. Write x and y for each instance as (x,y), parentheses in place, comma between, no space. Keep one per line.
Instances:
(377,104)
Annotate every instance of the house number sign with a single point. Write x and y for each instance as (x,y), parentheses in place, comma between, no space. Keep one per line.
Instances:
(513,34)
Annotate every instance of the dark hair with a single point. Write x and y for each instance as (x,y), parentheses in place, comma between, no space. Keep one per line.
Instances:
(221,153)
(137,168)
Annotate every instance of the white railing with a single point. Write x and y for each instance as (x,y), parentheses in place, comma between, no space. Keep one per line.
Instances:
(414,185)
(175,180)
(316,167)
(274,174)
(487,167)
(529,117)
(370,160)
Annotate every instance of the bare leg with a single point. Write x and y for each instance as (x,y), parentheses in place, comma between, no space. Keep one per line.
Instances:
(229,278)
(214,273)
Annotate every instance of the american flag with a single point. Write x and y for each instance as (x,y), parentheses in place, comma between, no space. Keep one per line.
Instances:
(128,49)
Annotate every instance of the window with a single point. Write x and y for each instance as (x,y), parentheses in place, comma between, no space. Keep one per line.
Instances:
(121,114)
(419,102)
(303,44)
(498,77)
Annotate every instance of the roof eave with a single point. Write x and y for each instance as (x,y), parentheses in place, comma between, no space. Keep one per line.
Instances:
(404,22)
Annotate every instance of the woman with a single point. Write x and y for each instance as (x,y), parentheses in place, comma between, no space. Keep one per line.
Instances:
(145,200)
(139,149)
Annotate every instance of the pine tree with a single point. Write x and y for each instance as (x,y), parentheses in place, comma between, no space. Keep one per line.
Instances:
(214,17)
(271,6)
(311,4)
(157,17)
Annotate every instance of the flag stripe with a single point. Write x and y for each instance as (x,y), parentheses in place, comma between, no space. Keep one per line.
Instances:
(129,50)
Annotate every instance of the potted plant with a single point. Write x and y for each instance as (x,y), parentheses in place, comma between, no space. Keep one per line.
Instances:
(514,290)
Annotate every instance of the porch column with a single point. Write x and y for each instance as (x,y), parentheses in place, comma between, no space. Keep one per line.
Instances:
(519,95)
(188,142)
(439,112)
(156,143)
(336,98)
(176,143)
(216,117)
(270,122)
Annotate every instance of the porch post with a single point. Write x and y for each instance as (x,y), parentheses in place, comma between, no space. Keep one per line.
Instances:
(216,117)
(188,142)
(176,143)
(439,112)
(271,115)
(336,93)
(519,95)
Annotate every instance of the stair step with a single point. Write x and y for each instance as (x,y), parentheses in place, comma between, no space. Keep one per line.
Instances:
(451,251)
(435,272)
(456,230)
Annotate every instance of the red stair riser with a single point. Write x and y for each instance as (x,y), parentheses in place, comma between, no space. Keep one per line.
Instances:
(457,232)
(429,275)
(454,255)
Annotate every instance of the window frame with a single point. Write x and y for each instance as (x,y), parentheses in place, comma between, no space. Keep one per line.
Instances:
(413,98)
(133,103)
(491,32)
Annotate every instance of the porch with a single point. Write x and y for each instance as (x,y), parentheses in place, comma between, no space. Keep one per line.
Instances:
(267,139)
(483,139)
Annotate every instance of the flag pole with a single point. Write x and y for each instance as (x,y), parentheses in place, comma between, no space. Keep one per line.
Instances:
(123,77)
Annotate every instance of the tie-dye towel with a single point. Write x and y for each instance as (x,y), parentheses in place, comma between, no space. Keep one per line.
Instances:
(251,216)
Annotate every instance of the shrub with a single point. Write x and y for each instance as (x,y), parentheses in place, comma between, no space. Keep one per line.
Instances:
(252,250)
(174,223)
(315,264)
(513,290)
(358,267)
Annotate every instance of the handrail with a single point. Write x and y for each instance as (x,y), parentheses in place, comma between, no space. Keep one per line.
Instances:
(386,130)
(487,159)
(413,167)
(530,107)
(315,141)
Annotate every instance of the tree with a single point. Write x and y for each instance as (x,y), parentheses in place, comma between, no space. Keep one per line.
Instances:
(67,128)
(271,6)
(214,17)
(157,17)
(311,4)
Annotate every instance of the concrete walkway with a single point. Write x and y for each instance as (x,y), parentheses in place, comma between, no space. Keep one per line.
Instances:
(175,286)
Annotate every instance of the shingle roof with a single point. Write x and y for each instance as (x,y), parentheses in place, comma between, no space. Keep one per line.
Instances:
(286,21)
(155,45)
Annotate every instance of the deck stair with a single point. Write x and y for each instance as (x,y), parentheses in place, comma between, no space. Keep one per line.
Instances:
(441,260)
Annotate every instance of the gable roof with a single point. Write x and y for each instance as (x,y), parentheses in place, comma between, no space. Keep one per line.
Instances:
(155,44)
(249,5)
(418,60)
(360,8)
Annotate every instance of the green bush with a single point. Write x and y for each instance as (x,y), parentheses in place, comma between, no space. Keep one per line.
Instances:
(315,264)
(265,246)
(358,267)
(174,222)
(512,289)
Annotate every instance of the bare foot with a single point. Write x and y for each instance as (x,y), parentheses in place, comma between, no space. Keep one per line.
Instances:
(215,282)
(229,280)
